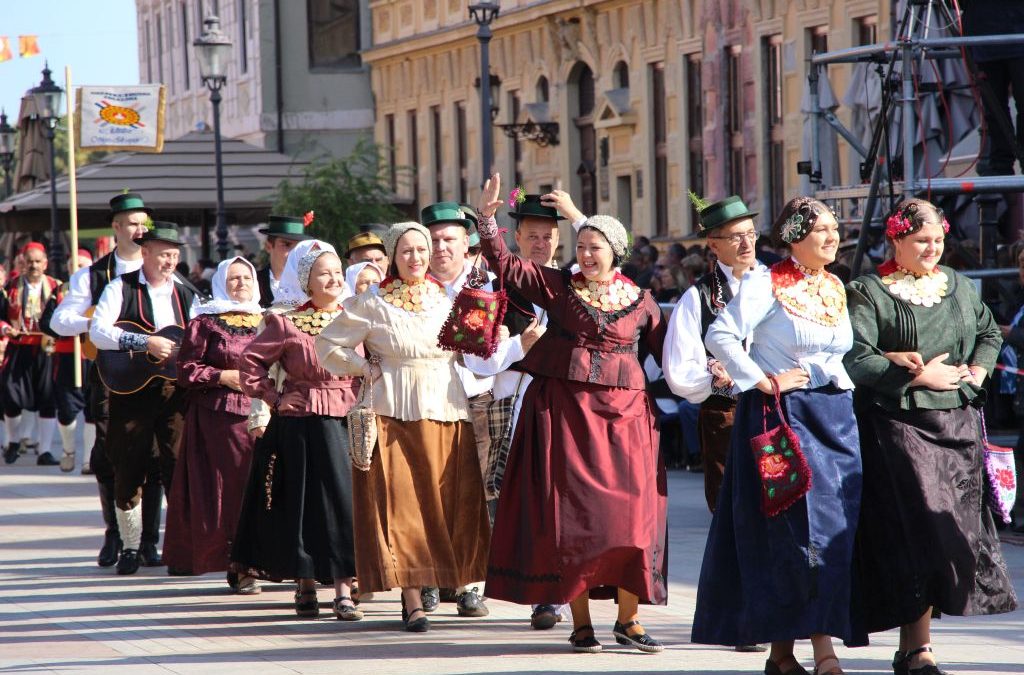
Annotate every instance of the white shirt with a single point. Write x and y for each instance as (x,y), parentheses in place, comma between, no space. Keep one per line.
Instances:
(69,318)
(473,384)
(685,362)
(103,332)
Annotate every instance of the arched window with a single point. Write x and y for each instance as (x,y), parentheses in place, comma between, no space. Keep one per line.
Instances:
(581,88)
(542,93)
(620,75)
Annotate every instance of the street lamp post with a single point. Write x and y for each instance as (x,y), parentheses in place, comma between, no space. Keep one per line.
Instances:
(212,51)
(48,98)
(483,13)
(7,136)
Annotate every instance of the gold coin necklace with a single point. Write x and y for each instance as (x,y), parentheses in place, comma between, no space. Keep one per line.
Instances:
(608,296)
(419,296)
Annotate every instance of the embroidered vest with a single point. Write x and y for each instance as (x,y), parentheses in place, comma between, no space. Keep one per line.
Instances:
(137,306)
(714,293)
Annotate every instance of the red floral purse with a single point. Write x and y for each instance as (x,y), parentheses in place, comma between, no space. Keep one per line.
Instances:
(473,324)
(781,465)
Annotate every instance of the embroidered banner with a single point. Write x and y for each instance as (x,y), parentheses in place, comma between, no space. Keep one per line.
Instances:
(121,118)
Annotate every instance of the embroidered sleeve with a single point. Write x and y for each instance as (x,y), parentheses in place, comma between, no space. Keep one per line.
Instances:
(133,341)
(487,227)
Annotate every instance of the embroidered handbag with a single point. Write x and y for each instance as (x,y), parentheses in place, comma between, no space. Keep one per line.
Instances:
(1000,476)
(781,466)
(473,324)
(362,428)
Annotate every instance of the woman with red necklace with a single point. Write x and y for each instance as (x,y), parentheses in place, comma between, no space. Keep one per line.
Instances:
(778,561)
(924,343)
(582,512)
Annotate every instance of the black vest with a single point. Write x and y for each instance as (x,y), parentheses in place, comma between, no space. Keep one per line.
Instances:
(266,295)
(137,307)
(714,293)
(101,273)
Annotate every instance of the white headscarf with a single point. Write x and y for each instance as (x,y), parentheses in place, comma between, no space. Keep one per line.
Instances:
(290,290)
(222,302)
(352,273)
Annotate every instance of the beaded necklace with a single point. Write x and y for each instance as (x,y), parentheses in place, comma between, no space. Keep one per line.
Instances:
(814,295)
(608,296)
(419,296)
(926,290)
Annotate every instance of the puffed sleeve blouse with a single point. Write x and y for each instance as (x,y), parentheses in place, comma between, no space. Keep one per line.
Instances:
(418,379)
(778,339)
(208,348)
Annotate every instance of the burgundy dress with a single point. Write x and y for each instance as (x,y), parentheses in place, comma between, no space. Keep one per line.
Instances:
(583,504)
(213,460)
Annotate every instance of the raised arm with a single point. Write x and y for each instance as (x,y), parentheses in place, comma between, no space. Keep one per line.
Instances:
(336,344)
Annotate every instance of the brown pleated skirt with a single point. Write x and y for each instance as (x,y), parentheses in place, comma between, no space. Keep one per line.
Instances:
(420,514)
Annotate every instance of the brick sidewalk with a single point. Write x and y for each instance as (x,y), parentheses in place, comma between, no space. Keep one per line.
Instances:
(59,612)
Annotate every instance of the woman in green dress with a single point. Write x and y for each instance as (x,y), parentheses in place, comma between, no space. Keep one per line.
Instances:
(923,345)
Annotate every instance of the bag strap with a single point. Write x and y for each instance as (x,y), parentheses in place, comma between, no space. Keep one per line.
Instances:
(764,406)
(984,431)
(366,389)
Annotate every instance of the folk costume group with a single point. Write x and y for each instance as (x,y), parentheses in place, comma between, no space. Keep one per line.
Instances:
(316,429)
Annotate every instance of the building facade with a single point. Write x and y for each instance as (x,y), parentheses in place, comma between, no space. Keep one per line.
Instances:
(650,98)
(296,83)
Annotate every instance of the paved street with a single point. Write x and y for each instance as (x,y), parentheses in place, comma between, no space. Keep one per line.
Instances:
(59,612)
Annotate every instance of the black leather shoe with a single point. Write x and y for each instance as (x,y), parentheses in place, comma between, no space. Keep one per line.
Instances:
(544,617)
(46,459)
(421,624)
(469,603)
(587,644)
(110,551)
(643,641)
(128,563)
(11,453)
(430,597)
(149,556)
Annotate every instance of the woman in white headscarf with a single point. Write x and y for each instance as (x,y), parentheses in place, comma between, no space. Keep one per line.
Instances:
(296,521)
(209,479)
(362,275)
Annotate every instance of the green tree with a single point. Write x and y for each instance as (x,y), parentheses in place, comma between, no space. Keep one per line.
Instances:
(344,193)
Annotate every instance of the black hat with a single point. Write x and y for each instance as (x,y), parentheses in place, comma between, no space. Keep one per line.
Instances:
(128,201)
(160,230)
(286,227)
(531,207)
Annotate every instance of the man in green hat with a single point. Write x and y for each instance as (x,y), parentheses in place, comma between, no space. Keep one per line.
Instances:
(152,297)
(283,233)
(128,218)
(689,368)
(366,247)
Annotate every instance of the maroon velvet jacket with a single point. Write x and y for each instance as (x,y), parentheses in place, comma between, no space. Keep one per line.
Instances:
(308,388)
(582,344)
(208,348)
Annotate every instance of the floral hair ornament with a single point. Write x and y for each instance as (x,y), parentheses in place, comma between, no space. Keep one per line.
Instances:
(902,221)
(307,219)
(793,228)
(517,196)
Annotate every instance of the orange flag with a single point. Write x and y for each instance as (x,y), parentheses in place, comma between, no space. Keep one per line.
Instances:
(28,45)
(5,49)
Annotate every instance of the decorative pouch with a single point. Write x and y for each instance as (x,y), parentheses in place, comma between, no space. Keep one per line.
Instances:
(1000,477)
(473,324)
(362,428)
(781,465)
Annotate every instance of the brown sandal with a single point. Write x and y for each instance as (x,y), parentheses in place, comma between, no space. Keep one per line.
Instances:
(836,670)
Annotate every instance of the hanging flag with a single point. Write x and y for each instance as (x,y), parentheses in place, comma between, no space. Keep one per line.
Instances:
(121,118)
(5,49)
(28,45)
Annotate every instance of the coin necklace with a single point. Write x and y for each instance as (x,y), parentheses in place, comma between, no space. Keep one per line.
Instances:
(607,296)
(926,290)
(419,296)
(311,320)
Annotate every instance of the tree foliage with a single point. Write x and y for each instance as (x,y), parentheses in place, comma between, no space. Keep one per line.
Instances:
(344,193)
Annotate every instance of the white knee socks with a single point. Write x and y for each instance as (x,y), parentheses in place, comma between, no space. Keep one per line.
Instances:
(47,427)
(12,426)
(129,524)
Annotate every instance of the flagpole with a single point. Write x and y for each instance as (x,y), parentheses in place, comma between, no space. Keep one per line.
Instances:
(73,208)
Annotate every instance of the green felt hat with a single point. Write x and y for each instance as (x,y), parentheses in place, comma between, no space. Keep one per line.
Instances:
(531,207)
(128,201)
(470,214)
(286,227)
(446,212)
(160,230)
(725,211)
(474,239)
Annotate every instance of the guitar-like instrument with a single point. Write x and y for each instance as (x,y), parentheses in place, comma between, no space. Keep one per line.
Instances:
(128,371)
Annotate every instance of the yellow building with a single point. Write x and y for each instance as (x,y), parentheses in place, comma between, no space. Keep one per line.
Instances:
(649,97)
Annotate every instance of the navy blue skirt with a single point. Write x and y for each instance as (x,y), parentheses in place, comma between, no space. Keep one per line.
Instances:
(787,577)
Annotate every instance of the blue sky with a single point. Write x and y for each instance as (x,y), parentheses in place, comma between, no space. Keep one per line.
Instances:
(97,39)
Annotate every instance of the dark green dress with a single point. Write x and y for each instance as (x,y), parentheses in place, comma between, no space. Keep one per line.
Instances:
(926,538)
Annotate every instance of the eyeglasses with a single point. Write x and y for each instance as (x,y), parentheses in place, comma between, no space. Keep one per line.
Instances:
(737,239)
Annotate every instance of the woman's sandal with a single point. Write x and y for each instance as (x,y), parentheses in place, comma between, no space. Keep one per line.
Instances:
(584,645)
(420,625)
(345,609)
(247,585)
(772,668)
(926,669)
(643,641)
(835,670)
(306,604)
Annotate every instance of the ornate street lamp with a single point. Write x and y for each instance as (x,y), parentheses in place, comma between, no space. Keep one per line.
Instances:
(483,13)
(8,134)
(213,48)
(48,99)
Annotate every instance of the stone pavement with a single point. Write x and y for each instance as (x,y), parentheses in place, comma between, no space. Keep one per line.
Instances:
(59,612)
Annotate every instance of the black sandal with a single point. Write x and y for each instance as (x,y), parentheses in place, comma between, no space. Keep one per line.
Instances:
(420,625)
(773,668)
(306,603)
(900,663)
(584,645)
(835,670)
(926,669)
(643,642)
(345,609)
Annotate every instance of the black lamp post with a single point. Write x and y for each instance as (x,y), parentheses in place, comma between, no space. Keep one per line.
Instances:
(48,98)
(213,49)
(7,136)
(483,13)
